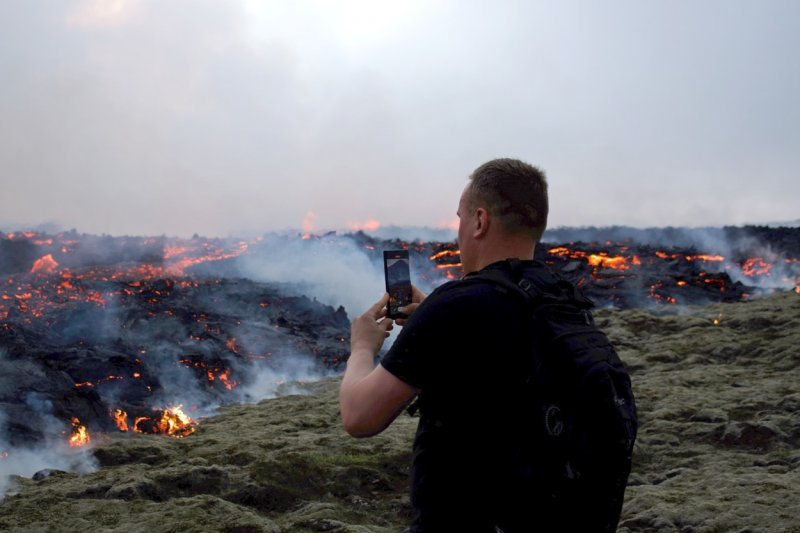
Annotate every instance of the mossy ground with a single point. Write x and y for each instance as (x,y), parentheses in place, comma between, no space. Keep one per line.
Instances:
(718,447)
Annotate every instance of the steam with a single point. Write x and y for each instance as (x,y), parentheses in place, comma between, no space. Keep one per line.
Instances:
(414,233)
(286,379)
(332,269)
(26,462)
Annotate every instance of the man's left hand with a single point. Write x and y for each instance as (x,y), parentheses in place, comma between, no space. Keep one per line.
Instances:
(369,330)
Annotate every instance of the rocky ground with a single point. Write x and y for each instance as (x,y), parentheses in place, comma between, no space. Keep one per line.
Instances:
(718,390)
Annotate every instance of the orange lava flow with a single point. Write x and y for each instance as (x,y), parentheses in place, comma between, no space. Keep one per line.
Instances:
(756,266)
(603,260)
(445,253)
(704,257)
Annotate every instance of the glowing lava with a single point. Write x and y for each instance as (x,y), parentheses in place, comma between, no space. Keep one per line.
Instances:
(756,266)
(44,265)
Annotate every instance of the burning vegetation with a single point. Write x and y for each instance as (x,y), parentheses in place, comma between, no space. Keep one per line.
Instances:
(172,422)
(80,435)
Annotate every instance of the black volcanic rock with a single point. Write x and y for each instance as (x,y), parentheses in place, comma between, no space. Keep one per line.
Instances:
(149,341)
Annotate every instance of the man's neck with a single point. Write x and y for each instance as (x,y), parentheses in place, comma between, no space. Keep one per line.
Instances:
(517,250)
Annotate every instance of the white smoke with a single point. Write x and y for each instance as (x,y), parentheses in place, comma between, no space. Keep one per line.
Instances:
(331,269)
(285,378)
(26,462)
(414,233)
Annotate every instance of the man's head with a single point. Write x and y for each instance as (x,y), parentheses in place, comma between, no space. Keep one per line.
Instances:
(503,208)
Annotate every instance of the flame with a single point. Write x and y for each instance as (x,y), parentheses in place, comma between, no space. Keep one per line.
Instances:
(175,423)
(172,422)
(717,320)
(44,265)
(231,344)
(80,435)
(120,419)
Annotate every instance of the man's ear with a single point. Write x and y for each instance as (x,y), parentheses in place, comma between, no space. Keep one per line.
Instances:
(481,223)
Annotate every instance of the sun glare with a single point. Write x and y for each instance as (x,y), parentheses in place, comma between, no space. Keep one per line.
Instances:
(354,23)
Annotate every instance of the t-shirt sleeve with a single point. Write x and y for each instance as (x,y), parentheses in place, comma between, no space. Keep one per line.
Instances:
(422,349)
(409,358)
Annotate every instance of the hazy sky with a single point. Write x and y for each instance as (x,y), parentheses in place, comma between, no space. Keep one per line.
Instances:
(180,117)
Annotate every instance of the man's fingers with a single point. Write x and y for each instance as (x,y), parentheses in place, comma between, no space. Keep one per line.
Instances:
(380,304)
(408,309)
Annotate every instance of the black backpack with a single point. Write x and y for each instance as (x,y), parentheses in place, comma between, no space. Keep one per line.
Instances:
(575,456)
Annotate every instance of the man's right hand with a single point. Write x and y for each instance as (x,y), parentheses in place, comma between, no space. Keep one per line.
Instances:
(417,297)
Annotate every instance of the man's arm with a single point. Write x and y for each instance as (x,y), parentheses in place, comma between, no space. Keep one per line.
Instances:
(371,397)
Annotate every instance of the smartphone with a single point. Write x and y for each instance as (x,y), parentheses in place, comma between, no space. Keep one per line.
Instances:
(398,281)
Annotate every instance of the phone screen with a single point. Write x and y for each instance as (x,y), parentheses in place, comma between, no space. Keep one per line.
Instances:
(398,281)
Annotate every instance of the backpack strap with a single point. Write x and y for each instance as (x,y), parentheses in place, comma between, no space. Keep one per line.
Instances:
(546,287)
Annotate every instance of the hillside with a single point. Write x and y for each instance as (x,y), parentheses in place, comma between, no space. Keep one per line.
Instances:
(718,449)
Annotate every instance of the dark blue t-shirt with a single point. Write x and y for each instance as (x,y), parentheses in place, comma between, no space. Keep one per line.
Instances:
(467,348)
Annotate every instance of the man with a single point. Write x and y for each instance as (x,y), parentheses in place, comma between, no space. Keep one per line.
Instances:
(463,351)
